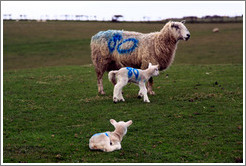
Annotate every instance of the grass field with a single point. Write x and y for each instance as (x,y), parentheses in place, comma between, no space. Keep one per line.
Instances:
(51,107)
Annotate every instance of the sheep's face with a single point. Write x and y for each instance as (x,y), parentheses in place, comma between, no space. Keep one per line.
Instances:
(122,126)
(180,31)
(154,69)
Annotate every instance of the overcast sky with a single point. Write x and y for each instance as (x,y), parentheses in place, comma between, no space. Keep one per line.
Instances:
(131,10)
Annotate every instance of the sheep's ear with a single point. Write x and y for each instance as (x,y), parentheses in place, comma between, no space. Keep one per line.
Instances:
(112,121)
(183,21)
(128,123)
(172,25)
(150,64)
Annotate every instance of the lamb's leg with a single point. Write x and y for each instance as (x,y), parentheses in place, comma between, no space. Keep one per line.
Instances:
(118,90)
(140,93)
(123,83)
(100,83)
(110,148)
(143,90)
(121,96)
(150,85)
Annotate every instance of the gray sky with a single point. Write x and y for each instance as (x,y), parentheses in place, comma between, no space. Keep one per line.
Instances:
(131,10)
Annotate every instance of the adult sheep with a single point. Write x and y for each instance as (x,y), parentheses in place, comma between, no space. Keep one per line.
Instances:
(113,49)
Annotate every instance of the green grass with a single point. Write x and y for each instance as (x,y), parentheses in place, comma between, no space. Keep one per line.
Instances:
(196,116)
(51,107)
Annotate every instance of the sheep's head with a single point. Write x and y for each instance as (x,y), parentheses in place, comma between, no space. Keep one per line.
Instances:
(154,69)
(121,126)
(179,30)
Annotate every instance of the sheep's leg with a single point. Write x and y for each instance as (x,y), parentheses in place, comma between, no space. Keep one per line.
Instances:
(150,85)
(121,96)
(140,93)
(118,90)
(110,148)
(143,90)
(100,83)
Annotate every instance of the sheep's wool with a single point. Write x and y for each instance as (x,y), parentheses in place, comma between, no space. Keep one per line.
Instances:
(113,49)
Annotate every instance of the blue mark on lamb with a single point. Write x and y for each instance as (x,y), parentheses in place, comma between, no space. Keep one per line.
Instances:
(129,71)
(101,133)
(132,71)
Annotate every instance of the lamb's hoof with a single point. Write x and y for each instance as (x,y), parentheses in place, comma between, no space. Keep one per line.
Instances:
(139,97)
(115,100)
(151,93)
(146,101)
(122,100)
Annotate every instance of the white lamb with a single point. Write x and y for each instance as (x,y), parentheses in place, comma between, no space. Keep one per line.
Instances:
(110,141)
(137,76)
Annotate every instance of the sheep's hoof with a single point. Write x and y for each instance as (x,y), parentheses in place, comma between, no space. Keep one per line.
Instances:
(122,100)
(115,100)
(102,93)
(139,97)
(151,93)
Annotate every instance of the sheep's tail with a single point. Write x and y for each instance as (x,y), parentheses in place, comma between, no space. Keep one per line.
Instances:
(112,76)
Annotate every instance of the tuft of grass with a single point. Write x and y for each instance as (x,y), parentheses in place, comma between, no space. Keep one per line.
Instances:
(196,116)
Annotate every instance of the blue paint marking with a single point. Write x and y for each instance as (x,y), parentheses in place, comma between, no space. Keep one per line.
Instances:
(106,34)
(101,133)
(115,41)
(125,51)
(129,71)
(132,71)
(136,73)
(116,37)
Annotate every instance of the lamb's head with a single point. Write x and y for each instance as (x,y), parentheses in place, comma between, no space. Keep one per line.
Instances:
(153,69)
(179,30)
(121,127)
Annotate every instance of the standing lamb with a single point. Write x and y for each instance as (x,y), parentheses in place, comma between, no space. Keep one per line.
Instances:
(113,49)
(121,77)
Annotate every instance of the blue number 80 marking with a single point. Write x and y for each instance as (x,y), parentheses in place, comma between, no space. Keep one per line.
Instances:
(117,37)
(132,71)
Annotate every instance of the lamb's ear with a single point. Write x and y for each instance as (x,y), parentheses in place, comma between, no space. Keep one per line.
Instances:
(150,64)
(128,123)
(113,122)
(183,21)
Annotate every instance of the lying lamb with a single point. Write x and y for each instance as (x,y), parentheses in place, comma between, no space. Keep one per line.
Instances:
(110,141)
(137,76)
